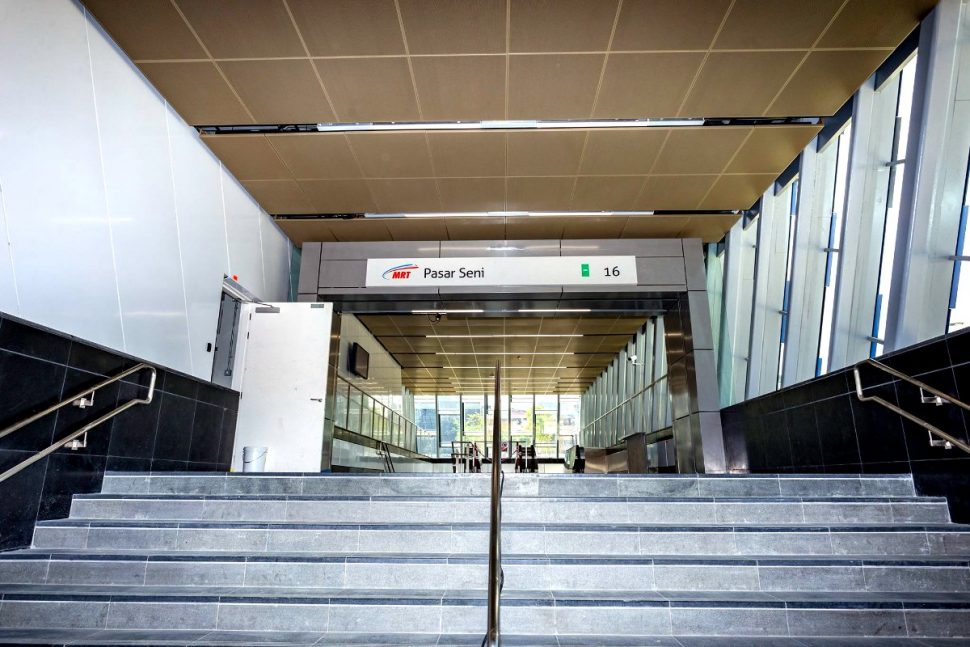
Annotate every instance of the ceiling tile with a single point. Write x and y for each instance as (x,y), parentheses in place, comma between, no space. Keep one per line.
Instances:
(674,192)
(459,88)
(710,227)
(387,155)
(653,226)
(248,157)
(339,196)
(150,29)
(770,149)
(472,194)
(279,92)
(312,156)
(621,152)
(645,85)
(875,23)
(197,92)
(593,227)
(606,193)
(545,153)
(370,89)
(668,24)
(779,24)
(532,228)
(561,25)
(348,27)
(739,84)
(555,86)
(279,196)
(454,26)
(478,228)
(359,229)
(826,81)
(699,150)
(416,228)
(243,28)
(301,231)
(736,191)
(471,154)
(401,196)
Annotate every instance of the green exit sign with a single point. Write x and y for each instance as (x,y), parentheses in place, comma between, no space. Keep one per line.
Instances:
(585,269)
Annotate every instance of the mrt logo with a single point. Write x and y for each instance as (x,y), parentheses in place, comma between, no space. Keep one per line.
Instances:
(399,272)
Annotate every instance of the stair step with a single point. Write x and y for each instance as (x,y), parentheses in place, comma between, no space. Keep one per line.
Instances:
(667,485)
(530,613)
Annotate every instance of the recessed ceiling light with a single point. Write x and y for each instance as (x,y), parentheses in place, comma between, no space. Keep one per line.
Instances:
(500,353)
(500,336)
(446,311)
(555,310)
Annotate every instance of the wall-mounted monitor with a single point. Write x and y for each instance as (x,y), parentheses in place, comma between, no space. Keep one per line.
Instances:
(358,362)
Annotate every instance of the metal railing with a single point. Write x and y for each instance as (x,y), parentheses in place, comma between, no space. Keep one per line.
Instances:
(938,398)
(361,413)
(81,400)
(495,575)
(645,411)
(385,453)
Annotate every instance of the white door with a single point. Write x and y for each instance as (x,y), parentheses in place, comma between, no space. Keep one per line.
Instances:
(284,385)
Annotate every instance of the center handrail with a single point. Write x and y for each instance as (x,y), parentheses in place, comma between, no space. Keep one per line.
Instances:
(493,634)
(933,429)
(78,397)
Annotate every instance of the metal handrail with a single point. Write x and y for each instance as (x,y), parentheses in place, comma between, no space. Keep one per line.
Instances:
(495,576)
(79,397)
(385,453)
(933,429)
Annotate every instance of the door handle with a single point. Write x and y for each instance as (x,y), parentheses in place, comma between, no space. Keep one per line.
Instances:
(316,399)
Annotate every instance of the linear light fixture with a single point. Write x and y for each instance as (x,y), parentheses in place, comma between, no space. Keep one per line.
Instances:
(447,311)
(508,368)
(554,310)
(500,353)
(489,336)
(507,214)
(508,124)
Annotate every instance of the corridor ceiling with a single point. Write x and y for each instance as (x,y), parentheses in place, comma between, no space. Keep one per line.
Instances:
(539,354)
(278,62)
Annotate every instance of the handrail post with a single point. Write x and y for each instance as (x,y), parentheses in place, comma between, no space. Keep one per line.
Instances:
(493,635)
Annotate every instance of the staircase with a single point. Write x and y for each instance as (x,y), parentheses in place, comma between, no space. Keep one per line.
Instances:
(240,559)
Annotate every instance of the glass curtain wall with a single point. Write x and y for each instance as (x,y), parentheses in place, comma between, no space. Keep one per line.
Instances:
(959,315)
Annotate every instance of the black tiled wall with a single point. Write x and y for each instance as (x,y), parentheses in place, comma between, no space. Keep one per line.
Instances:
(821,426)
(189,425)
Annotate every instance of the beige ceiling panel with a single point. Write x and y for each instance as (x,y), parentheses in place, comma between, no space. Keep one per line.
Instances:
(545,153)
(402,196)
(471,154)
(710,228)
(653,226)
(736,191)
(392,155)
(316,156)
(875,23)
(301,231)
(339,196)
(770,149)
(668,24)
(197,92)
(537,194)
(739,84)
(279,92)
(472,194)
(359,229)
(646,85)
(826,81)
(417,228)
(533,228)
(606,193)
(700,150)
(579,227)
(248,157)
(279,196)
(348,27)
(459,88)
(556,86)
(243,28)
(478,228)
(370,89)
(149,29)
(674,192)
(621,152)
(778,24)
(561,25)
(454,26)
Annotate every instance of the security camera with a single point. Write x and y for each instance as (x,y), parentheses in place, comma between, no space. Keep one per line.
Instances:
(633,360)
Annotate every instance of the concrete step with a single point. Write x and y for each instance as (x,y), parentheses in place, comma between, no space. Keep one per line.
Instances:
(522,572)
(415,509)
(574,613)
(528,485)
(523,539)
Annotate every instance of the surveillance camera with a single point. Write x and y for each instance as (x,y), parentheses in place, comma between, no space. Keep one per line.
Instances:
(633,359)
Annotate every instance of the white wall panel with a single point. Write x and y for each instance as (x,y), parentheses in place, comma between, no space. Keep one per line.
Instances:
(202,236)
(276,261)
(51,172)
(242,225)
(8,287)
(141,205)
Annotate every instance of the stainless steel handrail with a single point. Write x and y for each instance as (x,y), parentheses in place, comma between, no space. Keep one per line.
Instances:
(86,428)
(495,576)
(933,429)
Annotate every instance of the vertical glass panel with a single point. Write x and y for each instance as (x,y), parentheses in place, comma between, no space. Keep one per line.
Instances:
(354,413)
(521,414)
(832,251)
(786,298)
(449,422)
(546,423)
(426,417)
(367,416)
(473,411)
(959,315)
(504,419)
(569,415)
(341,402)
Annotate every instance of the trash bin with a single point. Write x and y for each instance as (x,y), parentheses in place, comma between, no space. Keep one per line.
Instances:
(254,459)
